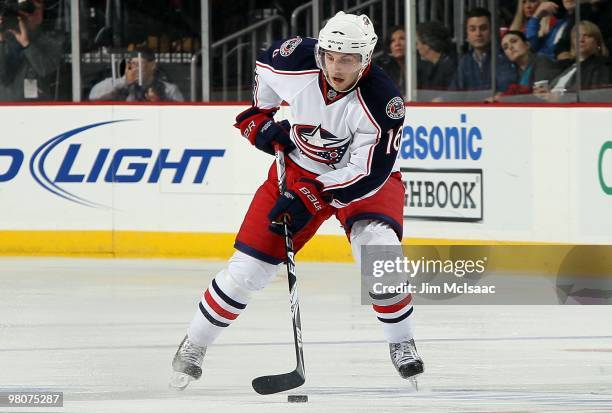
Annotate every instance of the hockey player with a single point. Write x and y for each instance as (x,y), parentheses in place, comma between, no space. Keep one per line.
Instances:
(341,160)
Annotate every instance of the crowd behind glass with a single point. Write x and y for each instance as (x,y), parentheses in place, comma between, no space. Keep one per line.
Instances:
(523,50)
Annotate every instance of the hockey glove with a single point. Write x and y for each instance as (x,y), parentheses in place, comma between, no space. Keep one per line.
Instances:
(258,126)
(299,204)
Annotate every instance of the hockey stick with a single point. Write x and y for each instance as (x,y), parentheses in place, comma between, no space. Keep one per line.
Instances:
(287,381)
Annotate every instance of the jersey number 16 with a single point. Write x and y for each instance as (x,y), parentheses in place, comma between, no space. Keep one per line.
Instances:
(395,137)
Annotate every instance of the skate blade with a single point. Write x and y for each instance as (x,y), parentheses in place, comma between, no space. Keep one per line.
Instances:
(414,383)
(180,381)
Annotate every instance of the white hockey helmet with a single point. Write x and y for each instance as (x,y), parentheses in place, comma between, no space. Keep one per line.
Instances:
(347,33)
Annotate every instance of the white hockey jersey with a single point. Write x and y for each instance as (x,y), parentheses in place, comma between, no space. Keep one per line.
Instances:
(350,140)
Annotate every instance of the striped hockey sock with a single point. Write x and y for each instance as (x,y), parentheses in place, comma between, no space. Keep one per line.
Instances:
(221,303)
(395,318)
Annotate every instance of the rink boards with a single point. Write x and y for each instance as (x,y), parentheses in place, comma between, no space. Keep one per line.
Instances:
(123,180)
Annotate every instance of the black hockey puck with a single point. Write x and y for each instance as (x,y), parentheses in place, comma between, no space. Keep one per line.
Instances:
(297,398)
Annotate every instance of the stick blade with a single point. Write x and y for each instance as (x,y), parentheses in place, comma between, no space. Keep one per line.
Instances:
(278,383)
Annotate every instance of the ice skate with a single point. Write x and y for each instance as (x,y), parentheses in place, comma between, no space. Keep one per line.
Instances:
(187,364)
(406,360)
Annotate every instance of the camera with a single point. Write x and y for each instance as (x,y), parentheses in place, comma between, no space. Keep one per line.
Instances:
(25,6)
(10,10)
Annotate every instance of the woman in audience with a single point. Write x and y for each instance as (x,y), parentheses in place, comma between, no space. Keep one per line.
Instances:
(524,11)
(550,44)
(530,68)
(393,61)
(594,65)
(594,61)
(556,44)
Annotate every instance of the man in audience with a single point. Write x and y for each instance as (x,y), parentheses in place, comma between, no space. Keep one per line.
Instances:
(438,58)
(474,71)
(142,82)
(29,58)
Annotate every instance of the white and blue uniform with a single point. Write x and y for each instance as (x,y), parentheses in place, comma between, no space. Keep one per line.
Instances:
(350,140)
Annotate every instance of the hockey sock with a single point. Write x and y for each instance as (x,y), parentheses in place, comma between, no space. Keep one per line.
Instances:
(221,304)
(395,319)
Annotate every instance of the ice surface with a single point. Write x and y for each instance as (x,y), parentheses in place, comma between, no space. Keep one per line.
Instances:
(104,332)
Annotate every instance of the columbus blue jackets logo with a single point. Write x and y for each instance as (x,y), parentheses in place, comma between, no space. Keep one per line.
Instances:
(289,46)
(395,108)
(319,145)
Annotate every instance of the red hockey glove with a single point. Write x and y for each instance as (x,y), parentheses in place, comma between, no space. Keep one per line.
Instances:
(300,203)
(258,126)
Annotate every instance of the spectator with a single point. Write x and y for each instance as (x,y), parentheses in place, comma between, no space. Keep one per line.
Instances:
(602,17)
(142,82)
(438,60)
(524,11)
(594,61)
(530,67)
(29,58)
(393,61)
(474,70)
(556,43)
